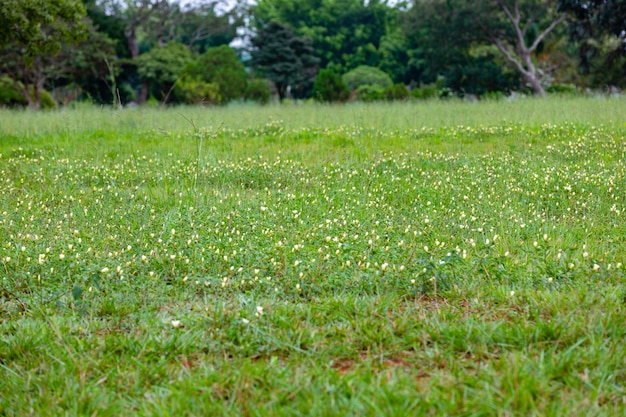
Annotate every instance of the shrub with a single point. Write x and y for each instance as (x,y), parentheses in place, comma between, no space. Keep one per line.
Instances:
(370,93)
(161,67)
(220,66)
(563,89)
(493,95)
(9,95)
(425,92)
(259,91)
(198,92)
(329,87)
(47,102)
(397,92)
(365,75)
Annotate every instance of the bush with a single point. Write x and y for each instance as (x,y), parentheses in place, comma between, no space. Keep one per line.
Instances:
(493,95)
(198,92)
(425,92)
(221,66)
(47,102)
(259,91)
(161,67)
(397,92)
(329,87)
(563,89)
(365,75)
(9,94)
(370,93)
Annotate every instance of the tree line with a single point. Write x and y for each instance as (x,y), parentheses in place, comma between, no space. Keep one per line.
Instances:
(217,51)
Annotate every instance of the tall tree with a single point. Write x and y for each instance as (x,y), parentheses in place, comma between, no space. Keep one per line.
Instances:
(599,28)
(162,67)
(283,58)
(527,24)
(220,67)
(205,25)
(344,33)
(518,29)
(32,32)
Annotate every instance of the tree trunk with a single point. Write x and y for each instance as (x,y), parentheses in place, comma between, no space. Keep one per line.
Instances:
(282,90)
(145,89)
(519,52)
(131,37)
(535,83)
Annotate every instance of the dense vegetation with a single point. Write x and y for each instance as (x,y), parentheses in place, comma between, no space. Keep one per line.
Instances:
(440,258)
(122,51)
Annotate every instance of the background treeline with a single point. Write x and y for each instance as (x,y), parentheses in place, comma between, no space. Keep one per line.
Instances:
(213,52)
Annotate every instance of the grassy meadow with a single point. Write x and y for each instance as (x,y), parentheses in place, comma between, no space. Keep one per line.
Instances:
(438,259)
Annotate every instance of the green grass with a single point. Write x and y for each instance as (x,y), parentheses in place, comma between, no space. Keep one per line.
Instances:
(440,258)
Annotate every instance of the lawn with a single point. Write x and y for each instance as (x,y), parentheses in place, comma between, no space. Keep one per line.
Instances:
(438,258)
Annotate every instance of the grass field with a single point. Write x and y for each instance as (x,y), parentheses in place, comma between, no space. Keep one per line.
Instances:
(443,258)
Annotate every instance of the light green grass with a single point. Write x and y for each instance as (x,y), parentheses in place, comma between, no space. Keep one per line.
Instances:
(411,259)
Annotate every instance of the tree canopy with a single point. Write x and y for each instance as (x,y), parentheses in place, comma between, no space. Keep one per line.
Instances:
(282,57)
(207,51)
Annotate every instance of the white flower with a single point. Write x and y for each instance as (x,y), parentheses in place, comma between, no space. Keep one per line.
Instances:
(176,324)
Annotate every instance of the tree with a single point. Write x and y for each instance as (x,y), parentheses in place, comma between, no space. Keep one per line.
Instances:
(344,33)
(202,26)
(364,75)
(40,26)
(517,29)
(329,87)
(162,67)
(221,66)
(599,29)
(32,32)
(527,34)
(283,58)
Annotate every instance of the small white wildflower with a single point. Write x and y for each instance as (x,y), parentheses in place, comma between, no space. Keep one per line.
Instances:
(104,270)
(176,324)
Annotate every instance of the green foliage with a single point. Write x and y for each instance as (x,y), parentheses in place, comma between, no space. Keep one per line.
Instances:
(47,101)
(397,92)
(370,93)
(345,33)
(40,26)
(258,91)
(283,58)
(425,92)
(367,76)
(563,89)
(597,29)
(162,67)
(10,96)
(198,92)
(205,26)
(329,87)
(220,66)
